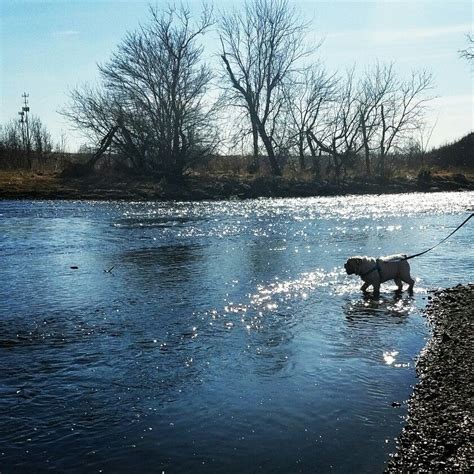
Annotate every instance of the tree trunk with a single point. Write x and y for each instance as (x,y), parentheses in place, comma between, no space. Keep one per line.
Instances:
(382,144)
(316,168)
(255,157)
(104,144)
(337,168)
(366,145)
(337,162)
(274,166)
(256,122)
(301,154)
(135,154)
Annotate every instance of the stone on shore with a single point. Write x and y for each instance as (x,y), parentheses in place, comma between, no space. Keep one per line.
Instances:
(438,435)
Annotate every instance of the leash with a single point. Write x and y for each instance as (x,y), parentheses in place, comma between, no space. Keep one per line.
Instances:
(439,243)
(377,266)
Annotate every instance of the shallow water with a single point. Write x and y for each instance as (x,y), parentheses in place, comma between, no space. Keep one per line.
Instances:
(226,338)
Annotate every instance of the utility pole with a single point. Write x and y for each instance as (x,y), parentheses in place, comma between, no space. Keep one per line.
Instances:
(25,130)
(25,110)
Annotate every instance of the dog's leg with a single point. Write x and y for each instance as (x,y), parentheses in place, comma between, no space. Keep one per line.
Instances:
(408,279)
(399,283)
(364,287)
(376,289)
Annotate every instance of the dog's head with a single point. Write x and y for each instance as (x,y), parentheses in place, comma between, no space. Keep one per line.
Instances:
(353,265)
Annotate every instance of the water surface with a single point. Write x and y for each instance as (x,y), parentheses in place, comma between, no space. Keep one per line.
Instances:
(226,337)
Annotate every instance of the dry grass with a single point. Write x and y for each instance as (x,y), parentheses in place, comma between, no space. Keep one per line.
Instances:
(24,181)
(107,184)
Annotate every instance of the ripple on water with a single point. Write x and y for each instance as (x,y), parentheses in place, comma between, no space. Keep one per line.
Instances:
(227,331)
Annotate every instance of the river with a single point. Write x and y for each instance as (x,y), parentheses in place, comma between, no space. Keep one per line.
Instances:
(214,336)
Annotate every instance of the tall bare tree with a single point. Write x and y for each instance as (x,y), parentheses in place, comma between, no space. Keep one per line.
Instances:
(260,47)
(377,84)
(402,113)
(307,98)
(340,135)
(154,88)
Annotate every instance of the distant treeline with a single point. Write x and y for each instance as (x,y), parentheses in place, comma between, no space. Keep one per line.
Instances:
(160,110)
(459,154)
(20,146)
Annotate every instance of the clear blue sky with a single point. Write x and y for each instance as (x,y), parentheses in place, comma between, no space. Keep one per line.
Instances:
(49,47)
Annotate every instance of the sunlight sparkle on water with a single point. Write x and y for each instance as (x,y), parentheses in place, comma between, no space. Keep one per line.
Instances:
(210,315)
(389,357)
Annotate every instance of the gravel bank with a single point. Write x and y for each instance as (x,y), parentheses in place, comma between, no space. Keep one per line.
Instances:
(438,435)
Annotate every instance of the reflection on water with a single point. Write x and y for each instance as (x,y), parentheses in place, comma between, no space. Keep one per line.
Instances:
(227,338)
(386,307)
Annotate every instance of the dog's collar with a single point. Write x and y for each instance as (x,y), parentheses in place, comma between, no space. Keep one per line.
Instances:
(377,267)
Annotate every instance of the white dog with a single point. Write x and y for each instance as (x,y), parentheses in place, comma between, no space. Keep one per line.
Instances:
(376,271)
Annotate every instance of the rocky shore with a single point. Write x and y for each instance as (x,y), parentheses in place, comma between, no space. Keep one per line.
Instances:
(197,188)
(439,435)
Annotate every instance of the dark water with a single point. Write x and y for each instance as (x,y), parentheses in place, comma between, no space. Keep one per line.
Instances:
(226,338)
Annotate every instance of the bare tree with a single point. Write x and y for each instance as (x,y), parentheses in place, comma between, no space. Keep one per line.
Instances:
(154,89)
(340,135)
(260,47)
(19,153)
(306,99)
(377,84)
(40,137)
(12,153)
(96,111)
(11,136)
(61,144)
(468,53)
(416,146)
(402,113)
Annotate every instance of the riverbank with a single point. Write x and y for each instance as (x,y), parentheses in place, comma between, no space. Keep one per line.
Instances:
(28,185)
(438,433)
